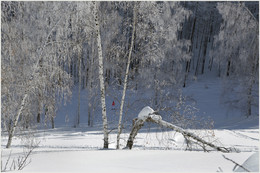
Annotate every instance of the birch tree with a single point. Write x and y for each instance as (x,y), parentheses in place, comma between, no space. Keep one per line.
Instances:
(126,78)
(101,77)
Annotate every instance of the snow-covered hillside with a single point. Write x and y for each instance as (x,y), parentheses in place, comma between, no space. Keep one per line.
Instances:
(205,93)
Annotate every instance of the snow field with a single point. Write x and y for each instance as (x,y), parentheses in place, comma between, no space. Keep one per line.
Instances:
(132,161)
(154,150)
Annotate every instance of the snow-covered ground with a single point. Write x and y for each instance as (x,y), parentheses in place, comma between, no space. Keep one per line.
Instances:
(80,149)
(156,149)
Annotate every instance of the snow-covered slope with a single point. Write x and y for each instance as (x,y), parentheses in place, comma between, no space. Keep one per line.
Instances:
(204,93)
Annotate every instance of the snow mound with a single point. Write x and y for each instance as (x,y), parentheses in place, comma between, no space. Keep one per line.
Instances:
(145,112)
(148,112)
(179,139)
(252,164)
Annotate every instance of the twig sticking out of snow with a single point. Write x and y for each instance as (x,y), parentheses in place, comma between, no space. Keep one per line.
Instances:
(219,169)
(20,162)
(236,164)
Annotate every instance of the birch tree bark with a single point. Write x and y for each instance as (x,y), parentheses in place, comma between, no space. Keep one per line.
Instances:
(101,77)
(12,130)
(119,131)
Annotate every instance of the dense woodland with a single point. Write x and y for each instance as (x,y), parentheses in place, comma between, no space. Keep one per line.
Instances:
(49,48)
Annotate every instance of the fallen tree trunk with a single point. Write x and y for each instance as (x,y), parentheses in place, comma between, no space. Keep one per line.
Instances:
(139,122)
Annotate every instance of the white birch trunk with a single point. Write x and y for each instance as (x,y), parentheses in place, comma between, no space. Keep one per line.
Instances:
(101,78)
(125,80)
(12,130)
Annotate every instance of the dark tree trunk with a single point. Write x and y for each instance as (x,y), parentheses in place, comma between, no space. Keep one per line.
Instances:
(52,123)
(228,68)
(199,56)
(186,73)
(38,117)
(204,53)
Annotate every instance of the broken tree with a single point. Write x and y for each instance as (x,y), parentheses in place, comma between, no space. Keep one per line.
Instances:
(148,115)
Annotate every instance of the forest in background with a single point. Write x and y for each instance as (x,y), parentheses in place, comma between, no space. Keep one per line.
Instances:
(50,47)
